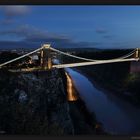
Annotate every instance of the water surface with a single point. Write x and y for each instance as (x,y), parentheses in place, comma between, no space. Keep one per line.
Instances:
(116,115)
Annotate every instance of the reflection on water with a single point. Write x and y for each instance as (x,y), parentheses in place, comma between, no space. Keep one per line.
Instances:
(116,115)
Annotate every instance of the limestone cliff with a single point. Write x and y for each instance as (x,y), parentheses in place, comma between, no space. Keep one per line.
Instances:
(34,103)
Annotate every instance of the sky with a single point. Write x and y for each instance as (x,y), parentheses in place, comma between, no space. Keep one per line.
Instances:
(70,26)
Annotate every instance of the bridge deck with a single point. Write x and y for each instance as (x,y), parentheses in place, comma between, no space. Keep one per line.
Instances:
(93,63)
(90,61)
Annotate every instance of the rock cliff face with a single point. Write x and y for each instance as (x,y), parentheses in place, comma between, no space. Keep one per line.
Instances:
(34,103)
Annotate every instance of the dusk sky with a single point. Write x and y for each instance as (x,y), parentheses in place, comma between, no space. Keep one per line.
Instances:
(70,26)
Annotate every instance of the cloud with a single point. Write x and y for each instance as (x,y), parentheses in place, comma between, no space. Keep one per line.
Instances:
(31,37)
(108,36)
(30,33)
(7,21)
(16,44)
(24,31)
(13,12)
(59,44)
(101,31)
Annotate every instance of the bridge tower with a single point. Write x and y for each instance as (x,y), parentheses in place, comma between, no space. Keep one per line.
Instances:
(46,61)
(49,59)
(137,53)
(43,58)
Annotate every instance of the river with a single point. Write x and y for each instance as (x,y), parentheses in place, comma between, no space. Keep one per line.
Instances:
(117,116)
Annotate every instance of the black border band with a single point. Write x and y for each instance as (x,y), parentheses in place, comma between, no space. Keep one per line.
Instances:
(69,2)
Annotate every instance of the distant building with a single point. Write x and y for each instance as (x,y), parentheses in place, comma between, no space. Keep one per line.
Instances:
(34,57)
(14,51)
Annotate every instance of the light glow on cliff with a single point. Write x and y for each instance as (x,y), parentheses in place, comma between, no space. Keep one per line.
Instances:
(71,94)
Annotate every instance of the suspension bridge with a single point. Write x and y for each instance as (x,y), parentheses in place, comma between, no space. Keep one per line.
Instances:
(46,60)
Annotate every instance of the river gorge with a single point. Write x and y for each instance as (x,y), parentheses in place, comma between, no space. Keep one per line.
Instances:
(118,117)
